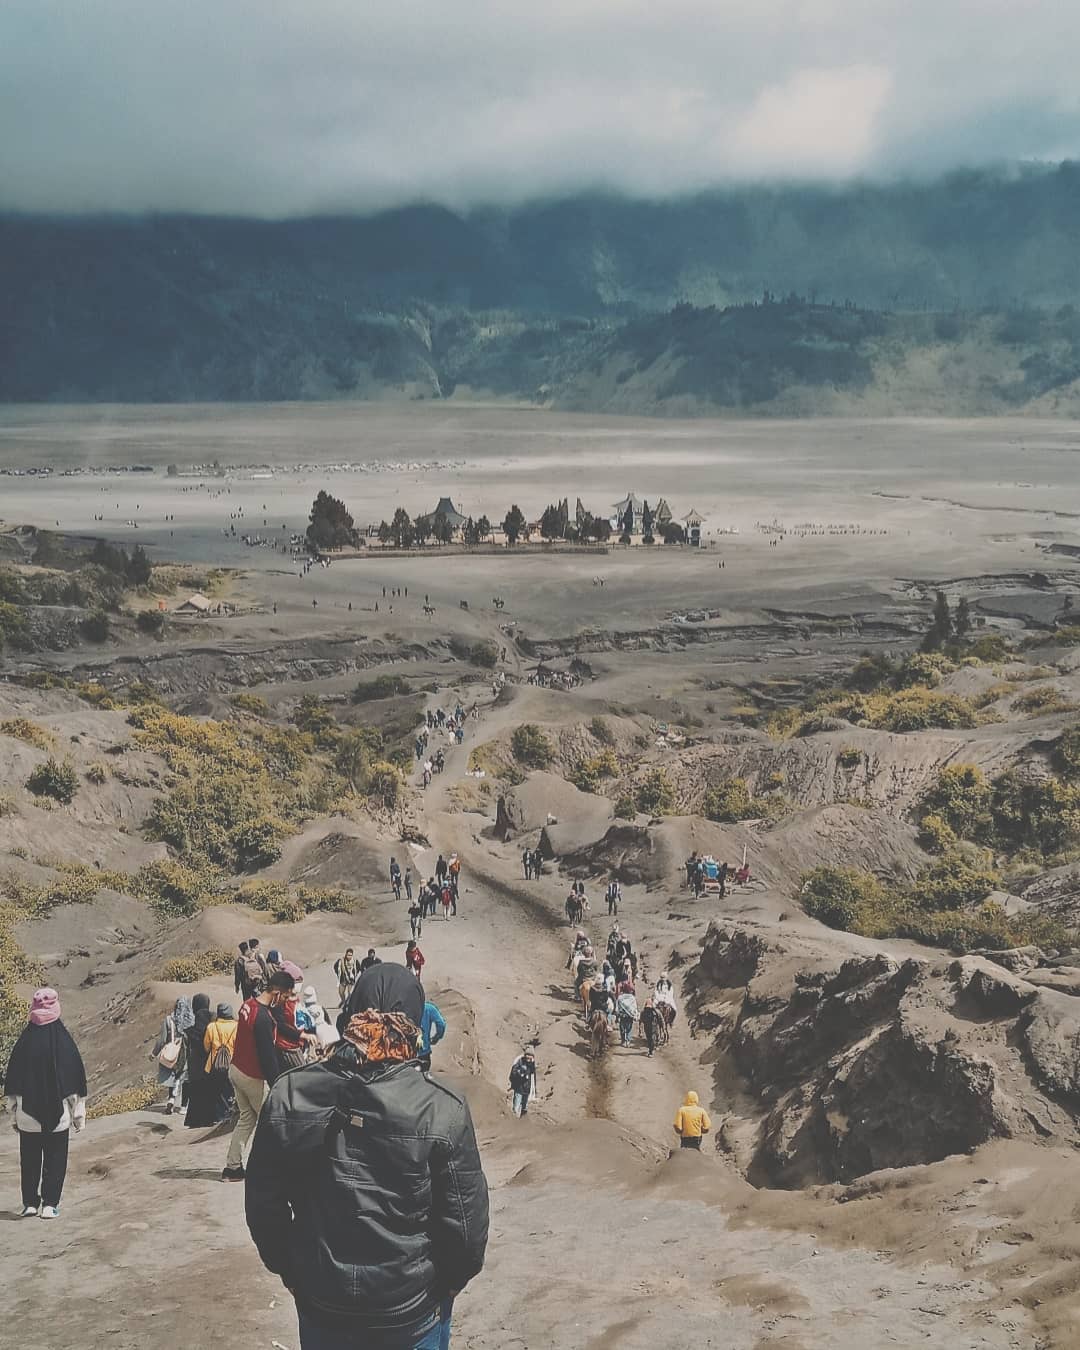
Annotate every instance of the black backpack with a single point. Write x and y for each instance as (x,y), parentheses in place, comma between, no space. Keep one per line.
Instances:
(520,1075)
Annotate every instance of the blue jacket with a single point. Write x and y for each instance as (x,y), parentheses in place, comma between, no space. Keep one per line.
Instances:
(432,1028)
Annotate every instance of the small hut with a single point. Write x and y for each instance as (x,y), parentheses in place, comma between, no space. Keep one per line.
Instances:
(693,521)
(194,604)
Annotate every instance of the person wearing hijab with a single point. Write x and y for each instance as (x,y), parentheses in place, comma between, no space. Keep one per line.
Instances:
(202,1092)
(219,1044)
(47,1083)
(364,1189)
(173,1031)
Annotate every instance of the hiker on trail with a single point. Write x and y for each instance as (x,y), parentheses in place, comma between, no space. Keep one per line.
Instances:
(650,1020)
(664,994)
(292,1036)
(614,897)
(253,972)
(370,960)
(440,869)
(537,865)
(691,1122)
(375,1225)
(46,1082)
(348,972)
(238,969)
(416,919)
(274,962)
(614,938)
(255,1066)
(395,878)
(579,944)
(170,1052)
(691,868)
(326,1034)
(432,1030)
(523,1082)
(722,876)
(414,958)
(454,872)
(526,863)
(626,1010)
(446,899)
(201,1096)
(406,876)
(427,772)
(220,1044)
(573,908)
(600,999)
(584,966)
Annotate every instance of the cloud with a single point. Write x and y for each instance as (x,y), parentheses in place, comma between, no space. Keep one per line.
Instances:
(280,107)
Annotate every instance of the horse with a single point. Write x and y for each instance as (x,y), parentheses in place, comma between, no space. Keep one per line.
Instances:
(599,1034)
(574,910)
(429,610)
(463,604)
(586,990)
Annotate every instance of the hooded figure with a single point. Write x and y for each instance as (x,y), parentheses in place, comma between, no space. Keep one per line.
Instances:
(691,1122)
(202,1093)
(364,1190)
(46,1079)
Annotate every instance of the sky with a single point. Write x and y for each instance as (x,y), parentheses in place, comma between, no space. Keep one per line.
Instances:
(289,107)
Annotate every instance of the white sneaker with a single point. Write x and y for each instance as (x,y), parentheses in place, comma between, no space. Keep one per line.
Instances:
(29,1212)
(50,1211)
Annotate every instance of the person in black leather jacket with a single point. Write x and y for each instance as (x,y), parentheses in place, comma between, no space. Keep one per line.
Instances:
(364,1189)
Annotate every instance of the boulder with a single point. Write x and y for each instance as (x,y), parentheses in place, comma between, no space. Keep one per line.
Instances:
(996,990)
(1052,1036)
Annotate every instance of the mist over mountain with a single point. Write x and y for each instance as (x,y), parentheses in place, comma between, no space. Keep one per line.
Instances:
(559,300)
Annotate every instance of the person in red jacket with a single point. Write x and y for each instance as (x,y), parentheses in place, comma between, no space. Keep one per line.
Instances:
(255,1065)
(414,959)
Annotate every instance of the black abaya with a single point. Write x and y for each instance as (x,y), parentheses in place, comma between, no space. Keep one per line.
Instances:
(203,1095)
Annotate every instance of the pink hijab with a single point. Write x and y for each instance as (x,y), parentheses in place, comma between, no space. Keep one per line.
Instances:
(45,1007)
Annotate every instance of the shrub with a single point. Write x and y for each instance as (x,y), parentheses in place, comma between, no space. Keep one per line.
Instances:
(730,800)
(8,806)
(587,773)
(256,842)
(918,709)
(126,1099)
(842,897)
(1043,814)
(313,716)
(655,794)
(97,773)
(150,621)
(174,887)
(382,686)
(290,906)
(601,732)
(197,965)
(955,881)
(849,756)
(95,627)
(51,779)
(254,704)
(531,747)
(870,672)
(960,797)
(1066,755)
(923,668)
(625,807)
(384,784)
(935,834)
(22,729)
(1039,702)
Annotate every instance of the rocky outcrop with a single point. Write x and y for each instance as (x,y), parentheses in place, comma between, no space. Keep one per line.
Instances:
(871,1062)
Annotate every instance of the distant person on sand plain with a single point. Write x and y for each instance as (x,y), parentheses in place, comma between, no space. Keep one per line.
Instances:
(46,1082)
(691,1122)
(526,863)
(376,1225)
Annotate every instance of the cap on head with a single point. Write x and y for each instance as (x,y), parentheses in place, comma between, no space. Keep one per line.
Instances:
(225,1012)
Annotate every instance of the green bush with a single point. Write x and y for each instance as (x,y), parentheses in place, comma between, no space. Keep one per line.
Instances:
(1066,755)
(587,774)
(138,1098)
(936,835)
(150,621)
(625,807)
(22,729)
(955,881)
(655,795)
(919,709)
(254,704)
(531,747)
(197,966)
(256,843)
(382,686)
(601,731)
(842,897)
(176,888)
(484,653)
(8,805)
(923,668)
(290,906)
(730,800)
(1043,814)
(51,779)
(961,798)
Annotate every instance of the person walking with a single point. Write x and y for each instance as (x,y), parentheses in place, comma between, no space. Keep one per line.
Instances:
(170,1051)
(523,1081)
(294,1031)
(650,1020)
(416,919)
(626,1010)
(238,970)
(614,897)
(375,1225)
(347,972)
(526,863)
(255,972)
(370,960)
(46,1082)
(220,1043)
(395,878)
(440,870)
(414,959)
(255,1066)
(432,1030)
(202,1095)
(454,872)
(407,878)
(691,1122)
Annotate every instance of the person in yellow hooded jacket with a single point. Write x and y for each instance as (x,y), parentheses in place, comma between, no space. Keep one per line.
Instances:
(691,1122)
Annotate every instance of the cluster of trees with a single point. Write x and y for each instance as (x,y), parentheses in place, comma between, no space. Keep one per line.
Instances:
(947,626)
(330,524)
(404,531)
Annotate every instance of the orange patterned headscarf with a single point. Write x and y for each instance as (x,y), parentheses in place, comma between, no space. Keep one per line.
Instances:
(383,1036)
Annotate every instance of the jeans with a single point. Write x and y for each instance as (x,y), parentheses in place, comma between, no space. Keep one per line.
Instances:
(693,1142)
(249,1099)
(315,1336)
(521,1102)
(43,1160)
